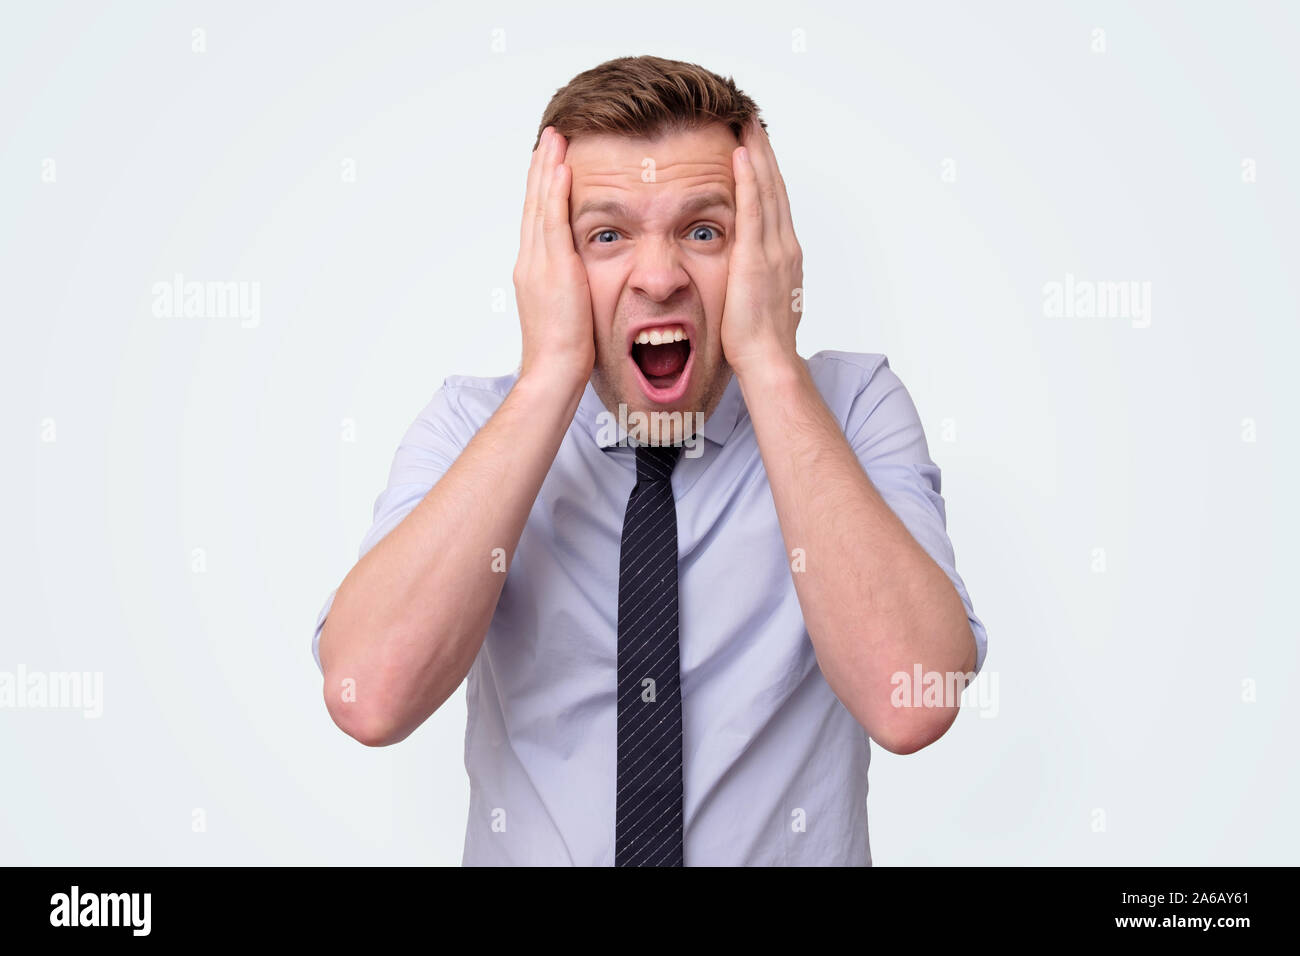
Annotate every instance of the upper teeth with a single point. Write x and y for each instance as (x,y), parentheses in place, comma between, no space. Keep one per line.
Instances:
(667,333)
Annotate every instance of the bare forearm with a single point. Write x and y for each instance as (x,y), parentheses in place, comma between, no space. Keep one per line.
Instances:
(874,602)
(410,617)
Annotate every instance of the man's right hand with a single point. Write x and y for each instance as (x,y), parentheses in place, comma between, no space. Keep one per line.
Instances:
(392,640)
(551,290)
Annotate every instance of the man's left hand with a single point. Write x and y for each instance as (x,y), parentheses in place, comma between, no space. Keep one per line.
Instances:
(765,276)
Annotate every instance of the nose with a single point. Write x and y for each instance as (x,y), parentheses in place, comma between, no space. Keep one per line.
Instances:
(657,271)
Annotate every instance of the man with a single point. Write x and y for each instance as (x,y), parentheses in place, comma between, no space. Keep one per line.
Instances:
(681,567)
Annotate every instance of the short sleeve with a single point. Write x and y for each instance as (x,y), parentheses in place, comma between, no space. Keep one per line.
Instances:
(885,432)
(431,444)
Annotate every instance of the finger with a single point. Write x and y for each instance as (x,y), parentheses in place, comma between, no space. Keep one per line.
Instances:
(556,230)
(785,223)
(749,210)
(532,191)
(756,145)
(554,153)
(773,185)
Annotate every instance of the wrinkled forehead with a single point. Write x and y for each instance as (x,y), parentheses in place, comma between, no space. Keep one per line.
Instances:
(650,177)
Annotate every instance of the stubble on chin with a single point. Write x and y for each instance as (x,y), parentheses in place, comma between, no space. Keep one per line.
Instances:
(604,380)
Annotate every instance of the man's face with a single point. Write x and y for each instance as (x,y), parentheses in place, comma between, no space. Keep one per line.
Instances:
(653,221)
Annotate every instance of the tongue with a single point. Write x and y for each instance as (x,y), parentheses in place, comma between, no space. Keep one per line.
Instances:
(662,361)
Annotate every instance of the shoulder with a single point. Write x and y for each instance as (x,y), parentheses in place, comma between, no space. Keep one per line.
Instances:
(471,399)
(861,364)
(843,378)
(873,406)
(456,410)
(479,394)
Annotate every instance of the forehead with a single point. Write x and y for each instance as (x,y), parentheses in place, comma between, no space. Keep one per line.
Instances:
(650,175)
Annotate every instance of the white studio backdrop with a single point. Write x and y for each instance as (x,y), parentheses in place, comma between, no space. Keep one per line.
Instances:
(182,493)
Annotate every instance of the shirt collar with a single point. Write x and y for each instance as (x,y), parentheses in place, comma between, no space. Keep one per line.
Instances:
(602,424)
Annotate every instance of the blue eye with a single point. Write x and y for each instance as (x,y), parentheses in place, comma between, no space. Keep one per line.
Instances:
(710,230)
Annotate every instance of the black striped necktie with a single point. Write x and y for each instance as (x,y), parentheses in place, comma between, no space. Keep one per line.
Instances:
(648,814)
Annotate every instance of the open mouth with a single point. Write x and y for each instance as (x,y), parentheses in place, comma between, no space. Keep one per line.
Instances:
(662,356)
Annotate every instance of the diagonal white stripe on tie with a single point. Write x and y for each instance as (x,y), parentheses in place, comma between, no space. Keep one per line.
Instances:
(648,794)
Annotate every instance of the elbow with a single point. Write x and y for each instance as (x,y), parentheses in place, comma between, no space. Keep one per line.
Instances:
(363,721)
(907,733)
(372,732)
(902,745)
(372,697)
(366,725)
(912,722)
(364,718)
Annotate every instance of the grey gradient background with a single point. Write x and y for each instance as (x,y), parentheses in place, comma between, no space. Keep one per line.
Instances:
(1119,692)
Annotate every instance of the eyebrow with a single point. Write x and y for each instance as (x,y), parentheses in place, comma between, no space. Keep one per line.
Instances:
(615,207)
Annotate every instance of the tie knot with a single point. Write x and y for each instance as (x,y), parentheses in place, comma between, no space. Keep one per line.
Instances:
(655,462)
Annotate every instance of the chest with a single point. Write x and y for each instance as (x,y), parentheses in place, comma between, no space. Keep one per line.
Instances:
(739,618)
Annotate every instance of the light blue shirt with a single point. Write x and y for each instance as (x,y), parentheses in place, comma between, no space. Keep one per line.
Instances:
(774,767)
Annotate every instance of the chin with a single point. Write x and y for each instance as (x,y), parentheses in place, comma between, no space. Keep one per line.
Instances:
(668,376)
